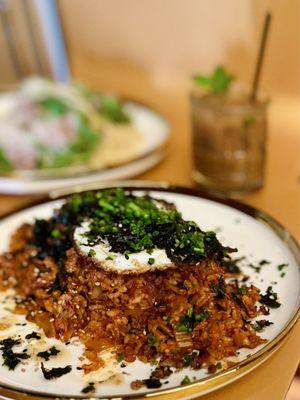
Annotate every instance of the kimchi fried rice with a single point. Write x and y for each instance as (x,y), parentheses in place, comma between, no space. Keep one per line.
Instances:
(186,314)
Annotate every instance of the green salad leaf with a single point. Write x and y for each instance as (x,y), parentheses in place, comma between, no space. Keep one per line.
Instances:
(78,151)
(107,105)
(217,83)
(5,164)
(87,138)
(113,109)
(54,106)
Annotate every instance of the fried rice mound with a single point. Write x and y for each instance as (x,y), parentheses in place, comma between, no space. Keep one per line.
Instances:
(185,316)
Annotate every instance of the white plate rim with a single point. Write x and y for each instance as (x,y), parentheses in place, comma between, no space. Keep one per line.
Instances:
(210,383)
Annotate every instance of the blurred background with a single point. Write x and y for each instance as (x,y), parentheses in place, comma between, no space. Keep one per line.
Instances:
(148,50)
(165,40)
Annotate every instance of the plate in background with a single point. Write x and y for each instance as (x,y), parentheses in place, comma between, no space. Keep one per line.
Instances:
(256,235)
(154,130)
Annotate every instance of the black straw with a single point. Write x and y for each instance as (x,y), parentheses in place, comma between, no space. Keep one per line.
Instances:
(260,58)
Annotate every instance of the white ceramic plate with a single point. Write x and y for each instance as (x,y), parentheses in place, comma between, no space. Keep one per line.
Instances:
(154,130)
(257,237)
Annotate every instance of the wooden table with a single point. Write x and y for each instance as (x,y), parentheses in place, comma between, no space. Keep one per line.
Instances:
(280,196)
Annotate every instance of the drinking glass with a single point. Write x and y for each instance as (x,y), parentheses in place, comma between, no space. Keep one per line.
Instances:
(229,143)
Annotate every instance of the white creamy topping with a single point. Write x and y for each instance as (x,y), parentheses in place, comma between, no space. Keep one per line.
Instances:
(136,262)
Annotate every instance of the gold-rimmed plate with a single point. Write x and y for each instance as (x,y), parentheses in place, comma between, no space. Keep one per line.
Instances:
(257,237)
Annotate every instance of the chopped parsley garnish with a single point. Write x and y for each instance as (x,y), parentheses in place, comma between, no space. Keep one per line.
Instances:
(53,351)
(201,316)
(92,253)
(184,327)
(270,299)
(152,341)
(10,358)
(132,224)
(186,380)
(120,358)
(281,266)
(54,373)
(110,256)
(55,234)
(187,358)
(154,361)
(190,319)
(219,365)
(242,290)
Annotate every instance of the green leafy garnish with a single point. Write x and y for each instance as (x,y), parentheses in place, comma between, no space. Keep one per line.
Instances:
(190,319)
(55,233)
(242,290)
(154,361)
(54,106)
(201,316)
(110,256)
(152,340)
(186,380)
(113,109)
(78,151)
(281,266)
(91,252)
(219,365)
(120,358)
(187,358)
(5,164)
(217,83)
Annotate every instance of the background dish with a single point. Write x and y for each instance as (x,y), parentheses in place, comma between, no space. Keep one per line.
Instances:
(256,235)
(154,130)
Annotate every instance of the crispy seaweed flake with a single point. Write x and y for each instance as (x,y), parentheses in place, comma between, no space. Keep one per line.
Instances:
(54,373)
(90,388)
(270,299)
(220,288)
(231,265)
(53,351)
(261,324)
(10,358)
(152,383)
(32,335)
